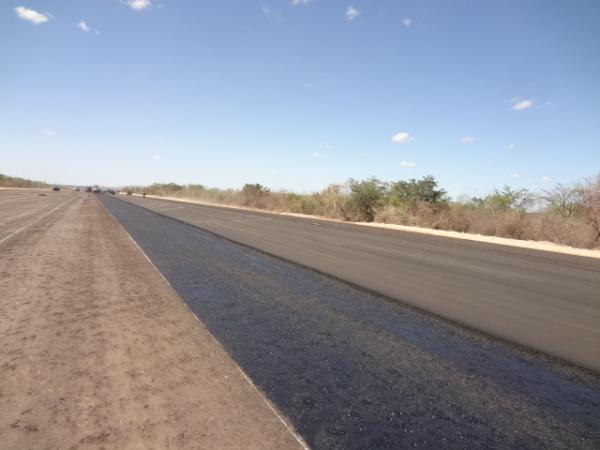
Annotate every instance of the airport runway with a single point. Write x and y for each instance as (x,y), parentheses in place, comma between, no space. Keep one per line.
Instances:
(352,369)
(544,301)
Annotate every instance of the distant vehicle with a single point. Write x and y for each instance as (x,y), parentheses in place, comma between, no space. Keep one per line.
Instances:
(88,189)
(129,193)
(76,189)
(56,188)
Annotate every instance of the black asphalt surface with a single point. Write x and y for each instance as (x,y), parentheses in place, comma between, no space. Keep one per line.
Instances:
(353,370)
(545,301)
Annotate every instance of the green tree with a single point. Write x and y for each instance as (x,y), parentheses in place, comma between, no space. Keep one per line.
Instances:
(365,198)
(409,193)
(508,199)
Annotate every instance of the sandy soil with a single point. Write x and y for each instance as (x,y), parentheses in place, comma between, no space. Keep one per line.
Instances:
(533,245)
(98,351)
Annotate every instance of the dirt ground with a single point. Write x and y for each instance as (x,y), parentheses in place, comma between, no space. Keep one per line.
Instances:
(98,351)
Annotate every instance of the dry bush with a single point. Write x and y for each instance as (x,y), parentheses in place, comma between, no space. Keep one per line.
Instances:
(454,218)
(330,202)
(567,221)
(591,205)
(565,231)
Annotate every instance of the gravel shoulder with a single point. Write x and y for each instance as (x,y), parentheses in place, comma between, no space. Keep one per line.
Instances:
(98,351)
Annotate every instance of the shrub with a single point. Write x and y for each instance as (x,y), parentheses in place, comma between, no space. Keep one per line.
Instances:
(565,201)
(591,205)
(255,195)
(365,199)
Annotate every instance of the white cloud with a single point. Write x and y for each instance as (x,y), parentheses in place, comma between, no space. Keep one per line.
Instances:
(352,13)
(402,137)
(83,26)
(30,15)
(407,22)
(522,104)
(408,164)
(268,12)
(511,146)
(316,155)
(546,179)
(138,5)
(468,139)
(156,157)
(300,2)
(515,175)
(50,132)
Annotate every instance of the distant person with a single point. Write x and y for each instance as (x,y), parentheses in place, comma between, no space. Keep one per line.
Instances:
(144,195)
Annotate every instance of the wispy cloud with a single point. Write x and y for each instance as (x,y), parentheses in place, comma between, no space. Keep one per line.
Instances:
(521,104)
(402,138)
(316,155)
(300,2)
(546,179)
(83,26)
(156,157)
(49,132)
(408,164)
(407,22)
(511,146)
(269,13)
(515,175)
(138,5)
(467,139)
(31,16)
(352,13)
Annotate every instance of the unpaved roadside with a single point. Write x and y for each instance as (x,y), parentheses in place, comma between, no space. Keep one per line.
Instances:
(98,351)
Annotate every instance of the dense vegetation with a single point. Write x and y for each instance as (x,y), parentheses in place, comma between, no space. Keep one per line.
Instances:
(6,181)
(564,214)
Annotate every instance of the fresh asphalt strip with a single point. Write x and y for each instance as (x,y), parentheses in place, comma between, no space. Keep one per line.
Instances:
(353,370)
(542,300)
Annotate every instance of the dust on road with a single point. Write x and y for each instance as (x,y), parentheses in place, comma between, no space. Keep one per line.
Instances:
(99,352)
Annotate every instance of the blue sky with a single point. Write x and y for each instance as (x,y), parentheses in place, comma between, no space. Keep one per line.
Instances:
(299,94)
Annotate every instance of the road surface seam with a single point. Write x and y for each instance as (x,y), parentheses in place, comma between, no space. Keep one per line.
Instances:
(24,227)
(244,375)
